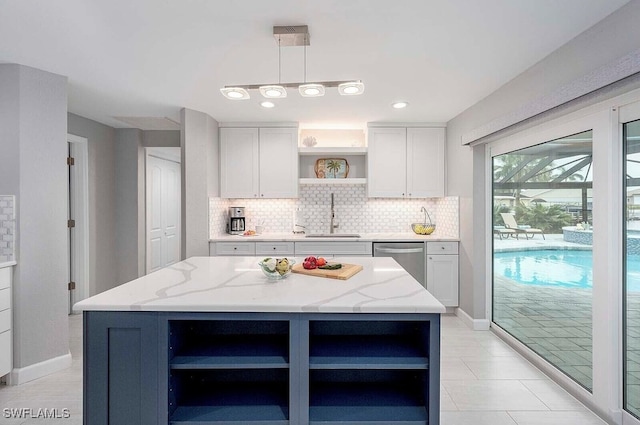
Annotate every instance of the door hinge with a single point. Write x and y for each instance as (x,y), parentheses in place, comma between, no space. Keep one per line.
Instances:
(72,286)
(71,223)
(71,160)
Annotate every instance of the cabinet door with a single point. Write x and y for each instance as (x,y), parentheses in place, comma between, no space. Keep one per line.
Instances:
(278,163)
(425,162)
(442,278)
(121,369)
(239,162)
(386,161)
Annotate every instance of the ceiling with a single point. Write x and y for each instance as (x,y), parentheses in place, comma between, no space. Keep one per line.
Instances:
(149,58)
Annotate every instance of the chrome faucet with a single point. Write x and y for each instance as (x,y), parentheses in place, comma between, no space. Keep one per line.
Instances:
(332,225)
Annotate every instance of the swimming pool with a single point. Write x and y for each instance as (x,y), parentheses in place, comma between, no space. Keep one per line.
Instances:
(557,268)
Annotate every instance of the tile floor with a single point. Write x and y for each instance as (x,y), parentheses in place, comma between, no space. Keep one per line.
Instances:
(484,382)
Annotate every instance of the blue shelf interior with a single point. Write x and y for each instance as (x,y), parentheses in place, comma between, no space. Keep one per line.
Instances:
(368,344)
(243,396)
(234,351)
(362,397)
(229,344)
(366,351)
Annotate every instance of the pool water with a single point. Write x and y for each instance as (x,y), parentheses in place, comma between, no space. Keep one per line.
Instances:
(557,268)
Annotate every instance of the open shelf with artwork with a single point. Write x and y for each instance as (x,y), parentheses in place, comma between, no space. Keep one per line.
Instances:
(333,166)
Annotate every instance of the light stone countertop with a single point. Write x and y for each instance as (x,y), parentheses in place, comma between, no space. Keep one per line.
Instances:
(237,284)
(364,237)
(7,264)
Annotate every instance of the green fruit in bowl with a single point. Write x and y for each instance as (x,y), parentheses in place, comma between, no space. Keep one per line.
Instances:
(276,268)
(282,266)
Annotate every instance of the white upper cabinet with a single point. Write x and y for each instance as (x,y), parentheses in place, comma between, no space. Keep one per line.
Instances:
(239,163)
(387,158)
(425,162)
(258,163)
(278,163)
(406,162)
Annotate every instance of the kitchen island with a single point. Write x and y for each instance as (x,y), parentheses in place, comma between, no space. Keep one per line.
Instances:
(211,340)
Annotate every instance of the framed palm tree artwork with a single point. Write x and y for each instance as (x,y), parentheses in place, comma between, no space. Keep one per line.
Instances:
(331,168)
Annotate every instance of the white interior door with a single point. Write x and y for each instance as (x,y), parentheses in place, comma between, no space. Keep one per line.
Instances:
(163,213)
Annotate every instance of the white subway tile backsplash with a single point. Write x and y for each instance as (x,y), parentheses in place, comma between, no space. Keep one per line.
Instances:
(7,228)
(353,210)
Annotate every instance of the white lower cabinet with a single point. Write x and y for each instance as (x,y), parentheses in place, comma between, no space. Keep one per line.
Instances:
(6,334)
(232,248)
(332,248)
(442,272)
(274,248)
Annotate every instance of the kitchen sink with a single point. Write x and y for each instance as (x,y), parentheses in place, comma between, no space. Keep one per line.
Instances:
(332,235)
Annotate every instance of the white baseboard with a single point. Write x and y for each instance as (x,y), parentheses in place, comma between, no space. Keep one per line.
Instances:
(475,324)
(20,375)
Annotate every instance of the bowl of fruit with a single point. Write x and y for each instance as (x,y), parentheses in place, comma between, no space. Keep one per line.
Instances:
(276,268)
(423,228)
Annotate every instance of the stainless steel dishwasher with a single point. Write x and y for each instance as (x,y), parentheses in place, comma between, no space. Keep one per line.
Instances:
(410,255)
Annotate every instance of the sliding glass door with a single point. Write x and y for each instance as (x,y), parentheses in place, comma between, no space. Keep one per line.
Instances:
(631,287)
(542,250)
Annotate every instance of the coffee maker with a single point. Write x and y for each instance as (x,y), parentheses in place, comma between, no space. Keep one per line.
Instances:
(236,221)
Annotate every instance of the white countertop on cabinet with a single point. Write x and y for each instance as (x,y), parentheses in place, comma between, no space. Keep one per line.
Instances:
(364,237)
(237,284)
(7,264)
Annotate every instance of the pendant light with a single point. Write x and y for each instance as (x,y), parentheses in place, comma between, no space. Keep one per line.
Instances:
(292,36)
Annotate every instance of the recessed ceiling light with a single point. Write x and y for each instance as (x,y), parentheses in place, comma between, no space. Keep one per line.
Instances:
(235,93)
(273,92)
(351,88)
(400,105)
(267,104)
(311,90)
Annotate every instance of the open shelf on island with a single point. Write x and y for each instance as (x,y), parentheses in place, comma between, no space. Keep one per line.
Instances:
(221,397)
(366,352)
(367,397)
(228,352)
(221,344)
(368,345)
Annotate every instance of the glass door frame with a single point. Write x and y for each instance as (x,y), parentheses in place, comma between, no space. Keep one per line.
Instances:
(602,119)
(626,113)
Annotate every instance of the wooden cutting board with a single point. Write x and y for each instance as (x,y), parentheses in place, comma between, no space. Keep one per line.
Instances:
(344,273)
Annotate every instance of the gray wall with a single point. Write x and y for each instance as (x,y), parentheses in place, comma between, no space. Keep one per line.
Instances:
(584,64)
(102,201)
(33,122)
(199,142)
(127,206)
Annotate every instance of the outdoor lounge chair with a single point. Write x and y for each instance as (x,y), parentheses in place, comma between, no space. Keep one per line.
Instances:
(504,232)
(510,222)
